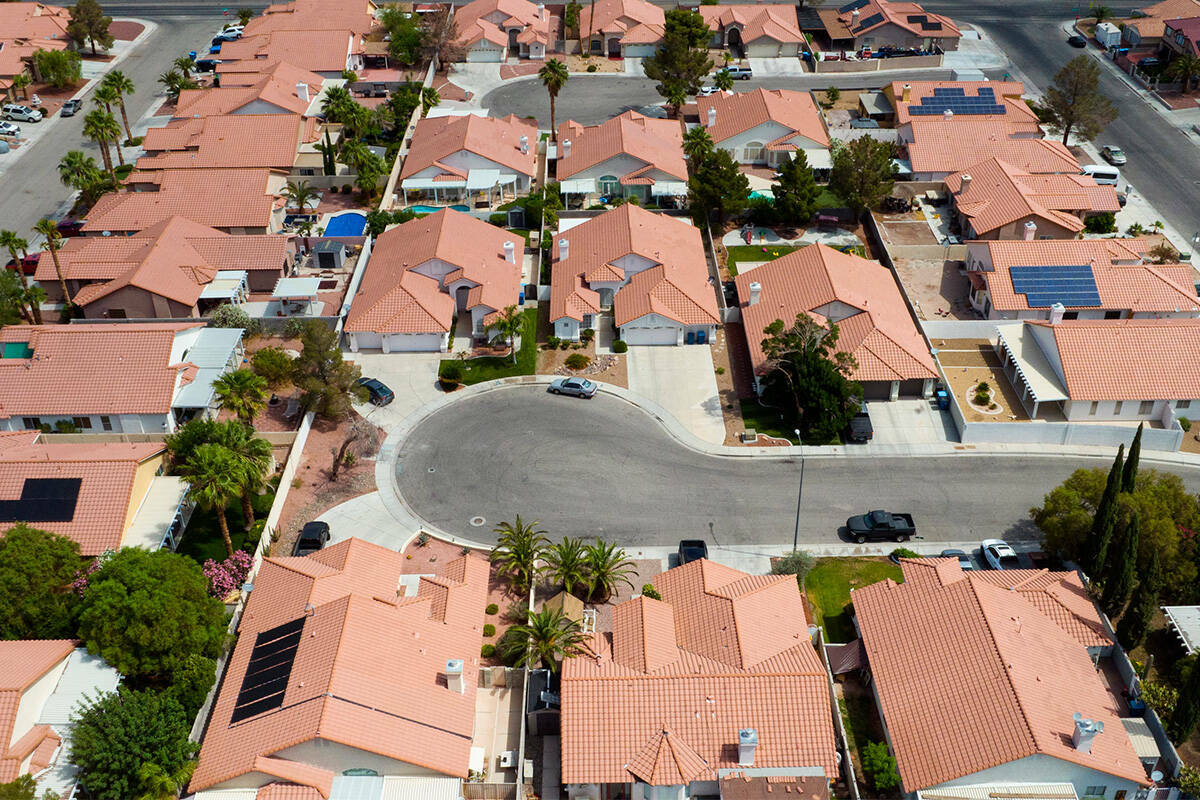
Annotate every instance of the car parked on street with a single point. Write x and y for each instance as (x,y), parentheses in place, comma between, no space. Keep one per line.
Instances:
(1113,155)
(1077,41)
(876,526)
(20,113)
(70,108)
(577,387)
(692,550)
(740,73)
(28,263)
(227,36)
(70,227)
(313,537)
(9,129)
(705,91)
(964,559)
(380,394)
(997,554)
(207,64)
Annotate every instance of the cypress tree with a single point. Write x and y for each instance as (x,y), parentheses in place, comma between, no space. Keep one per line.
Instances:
(1129,478)
(1118,578)
(1105,520)
(1187,710)
(1136,621)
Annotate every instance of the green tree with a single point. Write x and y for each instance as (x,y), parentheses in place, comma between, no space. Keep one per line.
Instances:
(1129,473)
(36,571)
(1104,520)
(863,173)
(1135,622)
(48,228)
(88,25)
(327,383)
(242,392)
(517,552)
(144,612)
(12,299)
(566,564)
(244,16)
(23,787)
(104,96)
(1187,710)
(157,784)
(404,30)
(1186,68)
(717,185)
(191,681)
(231,316)
(507,325)
(571,17)
(300,195)
(1074,103)
(553,76)
(1100,13)
(193,433)
(102,128)
(723,80)
(213,480)
(807,378)
(18,248)
(21,82)
(797,562)
(251,457)
(114,734)
(185,65)
(608,566)
(681,62)
(273,364)
(338,104)
(59,68)
(78,171)
(1121,571)
(174,82)
(880,765)
(545,639)
(796,191)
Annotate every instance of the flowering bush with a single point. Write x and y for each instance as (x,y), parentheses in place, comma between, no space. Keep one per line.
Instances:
(80,583)
(226,577)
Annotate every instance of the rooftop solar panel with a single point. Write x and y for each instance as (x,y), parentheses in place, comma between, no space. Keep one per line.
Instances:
(874,19)
(930,26)
(853,6)
(917,17)
(270,667)
(1072,285)
(43,500)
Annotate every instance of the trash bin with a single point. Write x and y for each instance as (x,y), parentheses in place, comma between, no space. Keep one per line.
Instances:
(691,337)
(701,337)
(943,400)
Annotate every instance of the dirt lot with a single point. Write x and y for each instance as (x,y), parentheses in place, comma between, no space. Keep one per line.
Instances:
(908,228)
(936,288)
(847,101)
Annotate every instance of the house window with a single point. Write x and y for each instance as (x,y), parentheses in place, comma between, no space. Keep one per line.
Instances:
(753,152)
(83,423)
(1095,791)
(1145,407)
(1118,406)
(608,185)
(1095,407)
(1112,314)
(106,423)
(32,423)
(1183,403)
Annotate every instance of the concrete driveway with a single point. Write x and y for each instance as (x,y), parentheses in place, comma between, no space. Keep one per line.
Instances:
(681,380)
(412,376)
(910,422)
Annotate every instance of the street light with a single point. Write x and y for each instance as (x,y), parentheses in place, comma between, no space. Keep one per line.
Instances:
(799,497)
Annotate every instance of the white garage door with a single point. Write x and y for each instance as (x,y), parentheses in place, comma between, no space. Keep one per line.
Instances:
(415,342)
(664,335)
(366,341)
(477,55)
(639,50)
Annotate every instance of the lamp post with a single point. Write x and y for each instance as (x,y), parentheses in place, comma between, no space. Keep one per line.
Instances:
(799,497)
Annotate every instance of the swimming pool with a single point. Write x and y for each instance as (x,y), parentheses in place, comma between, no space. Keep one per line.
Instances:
(435,209)
(350,223)
(766,195)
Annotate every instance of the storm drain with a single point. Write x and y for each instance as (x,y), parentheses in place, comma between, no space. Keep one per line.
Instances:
(477,521)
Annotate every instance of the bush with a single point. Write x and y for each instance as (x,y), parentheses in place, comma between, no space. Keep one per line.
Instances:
(231,316)
(488,650)
(982,398)
(797,562)
(761,211)
(619,346)
(587,334)
(273,364)
(489,629)
(499,219)
(563,344)
(591,68)
(1159,696)
(517,612)
(720,370)
(552,342)
(833,94)
(191,682)
(1185,423)
(982,386)
(577,361)
(226,577)
(1101,223)
(648,590)
(880,766)
(491,609)
(334,189)
(347,188)
(904,552)
(511,644)
(452,371)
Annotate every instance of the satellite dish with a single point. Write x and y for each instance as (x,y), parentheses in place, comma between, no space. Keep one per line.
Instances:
(1156,776)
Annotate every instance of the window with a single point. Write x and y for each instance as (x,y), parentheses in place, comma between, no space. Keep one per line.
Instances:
(753,152)
(32,423)
(83,423)
(1145,407)
(1095,791)
(1095,407)
(608,185)
(1071,315)
(1118,406)
(106,423)
(1183,403)
(1112,314)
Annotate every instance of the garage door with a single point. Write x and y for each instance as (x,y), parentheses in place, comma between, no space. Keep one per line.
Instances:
(418,342)
(483,55)
(639,50)
(877,390)
(664,335)
(366,341)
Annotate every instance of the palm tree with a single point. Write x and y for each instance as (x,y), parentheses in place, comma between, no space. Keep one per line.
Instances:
(104,96)
(78,171)
(242,392)
(175,82)
(1185,67)
(546,639)
(22,81)
(517,552)
(299,195)
(723,80)
(157,784)
(354,153)
(123,86)
(185,65)
(697,143)
(17,247)
(34,296)
(337,103)
(253,456)
(1100,13)
(49,229)
(607,567)
(214,479)
(96,126)
(554,77)
(676,96)
(566,564)
(244,15)
(507,325)
(429,99)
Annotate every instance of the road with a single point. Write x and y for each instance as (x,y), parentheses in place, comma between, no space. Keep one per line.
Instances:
(605,468)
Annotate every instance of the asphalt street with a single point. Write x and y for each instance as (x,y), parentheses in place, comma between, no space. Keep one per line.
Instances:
(605,468)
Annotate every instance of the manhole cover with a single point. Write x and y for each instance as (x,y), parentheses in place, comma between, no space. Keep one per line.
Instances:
(433,469)
(477,521)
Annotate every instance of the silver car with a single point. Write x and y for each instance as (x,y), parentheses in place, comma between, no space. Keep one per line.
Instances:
(997,554)
(9,129)
(579,387)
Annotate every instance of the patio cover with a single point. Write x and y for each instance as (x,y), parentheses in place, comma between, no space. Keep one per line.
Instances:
(156,513)
(819,159)
(290,288)
(431,183)
(669,188)
(1032,364)
(578,186)
(989,791)
(1185,621)
(1142,739)
(482,179)
(876,103)
(228,284)
(213,350)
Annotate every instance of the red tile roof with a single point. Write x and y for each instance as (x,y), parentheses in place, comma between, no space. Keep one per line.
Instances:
(943,147)
(353,15)
(877,329)
(655,143)
(474,25)
(664,702)
(1008,93)
(106,471)
(741,111)
(221,198)
(318,49)
(498,140)
(774,22)
(275,85)
(230,141)
(26,28)
(22,663)
(971,676)
(897,14)
(369,669)
(1189,28)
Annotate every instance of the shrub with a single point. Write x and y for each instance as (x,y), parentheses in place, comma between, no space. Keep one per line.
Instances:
(491,609)
(833,94)
(191,681)
(273,364)
(231,316)
(499,219)
(227,576)
(1159,696)
(452,371)
(720,370)
(334,189)
(552,342)
(517,612)
(648,590)
(1101,223)
(983,386)
(982,398)
(797,562)
(880,765)
(577,361)
(293,328)
(347,188)
(1185,423)
(488,650)
(489,629)
(587,334)
(904,552)
(619,346)
(591,68)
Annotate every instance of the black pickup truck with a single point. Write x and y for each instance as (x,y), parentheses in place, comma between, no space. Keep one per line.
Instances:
(881,525)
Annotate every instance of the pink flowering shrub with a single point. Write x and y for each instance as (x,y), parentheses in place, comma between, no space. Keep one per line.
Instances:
(226,577)
(80,583)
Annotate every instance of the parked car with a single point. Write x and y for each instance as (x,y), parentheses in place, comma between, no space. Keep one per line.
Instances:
(1148,63)
(379,393)
(28,263)
(226,36)
(9,129)
(70,108)
(70,227)
(998,555)
(876,526)
(313,536)
(964,560)
(579,387)
(860,429)
(233,26)
(692,550)
(1113,155)
(207,64)
(1077,41)
(705,91)
(740,73)
(21,113)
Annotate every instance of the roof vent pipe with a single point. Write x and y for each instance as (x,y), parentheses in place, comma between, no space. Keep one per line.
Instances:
(947,115)
(566,148)
(906,96)
(510,252)
(1030,230)
(1057,311)
(712,116)
(966,183)
(747,744)
(563,249)
(755,292)
(302,91)
(524,144)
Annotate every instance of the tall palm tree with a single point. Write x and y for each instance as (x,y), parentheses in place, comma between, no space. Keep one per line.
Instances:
(214,479)
(185,65)
(17,247)
(723,80)
(566,564)
(49,229)
(1185,67)
(517,552)
(124,87)
(157,784)
(34,296)
(79,171)
(697,143)
(299,195)
(105,96)
(337,100)
(253,456)
(507,325)
(22,81)
(546,639)
(97,128)
(554,77)
(429,99)
(608,566)
(242,392)
(175,82)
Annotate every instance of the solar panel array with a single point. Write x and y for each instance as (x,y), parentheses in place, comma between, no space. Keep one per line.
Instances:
(853,6)
(874,19)
(953,98)
(1072,285)
(43,500)
(270,667)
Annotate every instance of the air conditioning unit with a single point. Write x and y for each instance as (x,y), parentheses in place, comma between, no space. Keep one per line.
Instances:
(508,759)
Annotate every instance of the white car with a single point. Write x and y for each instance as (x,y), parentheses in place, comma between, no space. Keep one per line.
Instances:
(9,129)
(999,555)
(705,91)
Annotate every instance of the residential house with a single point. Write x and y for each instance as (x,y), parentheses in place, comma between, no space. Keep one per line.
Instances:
(861,297)
(371,672)
(716,684)
(648,268)
(112,377)
(425,273)
(629,155)
(46,680)
(102,496)
(26,28)
(326,50)
(622,28)
(164,271)
(1144,30)
(457,159)
(231,200)
(357,16)
(491,30)
(755,31)
(881,24)
(939,148)
(279,89)
(996,200)
(766,126)
(230,141)
(1102,370)
(1091,278)
(1182,37)
(1008,692)
(967,101)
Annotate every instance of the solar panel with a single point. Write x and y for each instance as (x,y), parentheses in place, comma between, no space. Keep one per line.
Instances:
(43,500)
(874,19)
(1072,285)
(917,18)
(854,6)
(954,98)
(269,669)
(930,26)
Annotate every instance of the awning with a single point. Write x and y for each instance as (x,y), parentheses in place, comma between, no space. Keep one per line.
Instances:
(669,188)
(430,183)
(1032,365)
(579,186)
(287,288)
(227,284)
(482,179)
(156,513)
(819,159)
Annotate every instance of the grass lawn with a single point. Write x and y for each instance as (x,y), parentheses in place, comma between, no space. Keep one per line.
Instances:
(766,420)
(490,368)
(829,584)
(522,232)
(755,252)
(202,538)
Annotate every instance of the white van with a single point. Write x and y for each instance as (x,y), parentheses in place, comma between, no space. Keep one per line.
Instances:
(1103,174)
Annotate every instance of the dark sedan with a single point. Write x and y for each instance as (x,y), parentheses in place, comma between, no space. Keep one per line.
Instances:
(1077,41)
(380,394)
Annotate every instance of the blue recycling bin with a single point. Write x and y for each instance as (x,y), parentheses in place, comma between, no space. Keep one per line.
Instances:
(943,400)
(701,337)
(691,337)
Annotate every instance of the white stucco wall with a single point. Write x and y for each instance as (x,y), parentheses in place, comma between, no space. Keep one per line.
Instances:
(1047,769)
(764,134)
(121,423)
(32,700)
(338,758)
(1128,410)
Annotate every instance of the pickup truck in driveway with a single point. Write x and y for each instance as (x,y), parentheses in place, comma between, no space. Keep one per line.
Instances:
(880,525)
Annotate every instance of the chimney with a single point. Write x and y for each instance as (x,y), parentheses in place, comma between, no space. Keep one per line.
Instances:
(966,183)
(747,744)
(454,675)
(566,153)
(510,253)
(712,116)
(302,91)
(1030,230)
(563,251)
(1056,316)
(947,115)
(854,18)
(524,144)
(1085,731)
(755,292)
(907,94)
(541,10)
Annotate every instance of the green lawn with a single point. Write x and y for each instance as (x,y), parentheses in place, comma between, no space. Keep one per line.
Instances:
(202,538)
(829,584)
(522,232)
(755,252)
(766,420)
(490,368)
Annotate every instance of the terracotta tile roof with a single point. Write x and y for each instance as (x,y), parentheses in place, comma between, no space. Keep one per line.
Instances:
(395,297)
(369,668)
(26,28)
(675,286)
(744,661)
(355,15)
(498,140)
(655,143)
(742,111)
(741,786)
(774,22)
(111,369)
(885,12)
(474,25)
(623,16)
(1154,23)
(1000,194)
(287,791)
(1007,92)
(105,503)
(229,141)
(319,49)
(275,85)
(879,331)
(1189,28)
(1122,279)
(22,663)
(946,147)
(221,198)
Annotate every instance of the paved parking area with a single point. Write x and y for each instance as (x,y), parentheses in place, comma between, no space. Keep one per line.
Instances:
(910,422)
(681,380)
(412,376)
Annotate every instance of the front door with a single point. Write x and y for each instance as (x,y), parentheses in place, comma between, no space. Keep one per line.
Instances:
(614,48)
(606,298)
(513,45)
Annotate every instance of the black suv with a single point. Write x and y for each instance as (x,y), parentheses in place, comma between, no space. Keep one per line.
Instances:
(380,394)
(860,429)
(692,550)
(313,536)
